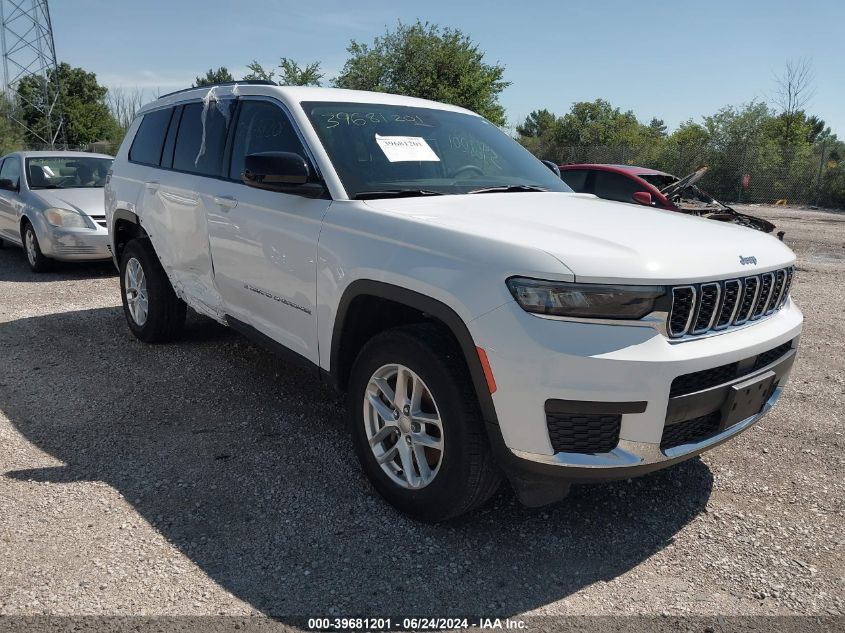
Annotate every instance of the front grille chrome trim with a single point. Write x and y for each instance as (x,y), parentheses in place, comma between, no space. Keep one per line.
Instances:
(675,291)
(738,302)
(762,302)
(777,291)
(730,319)
(700,304)
(787,286)
(742,317)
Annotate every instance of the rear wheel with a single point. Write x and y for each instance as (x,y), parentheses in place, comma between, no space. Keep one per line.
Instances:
(416,424)
(153,311)
(36,259)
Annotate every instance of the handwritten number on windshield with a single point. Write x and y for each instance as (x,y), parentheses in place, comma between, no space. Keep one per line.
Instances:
(360,119)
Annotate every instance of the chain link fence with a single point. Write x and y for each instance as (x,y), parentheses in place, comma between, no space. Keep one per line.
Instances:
(805,176)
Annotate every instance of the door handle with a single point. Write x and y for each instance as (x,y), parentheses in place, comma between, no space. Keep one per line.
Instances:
(152,185)
(227,202)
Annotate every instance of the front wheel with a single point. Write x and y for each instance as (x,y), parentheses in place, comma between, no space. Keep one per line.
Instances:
(416,424)
(36,259)
(153,311)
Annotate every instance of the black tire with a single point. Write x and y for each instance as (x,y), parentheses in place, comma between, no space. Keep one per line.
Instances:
(37,261)
(165,315)
(467,476)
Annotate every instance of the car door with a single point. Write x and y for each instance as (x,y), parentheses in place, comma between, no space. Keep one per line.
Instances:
(176,195)
(10,199)
(264,243)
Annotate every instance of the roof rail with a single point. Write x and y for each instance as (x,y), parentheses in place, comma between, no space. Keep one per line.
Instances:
(243,82)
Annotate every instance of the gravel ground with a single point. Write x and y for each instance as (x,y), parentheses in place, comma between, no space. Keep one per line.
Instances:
(209,477)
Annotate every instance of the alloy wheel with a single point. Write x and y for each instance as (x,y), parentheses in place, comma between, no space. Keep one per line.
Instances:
(31,248)
(403,426)
(135,283)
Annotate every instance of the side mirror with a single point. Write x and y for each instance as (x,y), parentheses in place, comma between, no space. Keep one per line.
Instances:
(7,184)
(280,171)
(643,197)
(553,167)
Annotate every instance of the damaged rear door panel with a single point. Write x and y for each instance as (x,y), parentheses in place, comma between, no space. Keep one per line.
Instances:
(175,209)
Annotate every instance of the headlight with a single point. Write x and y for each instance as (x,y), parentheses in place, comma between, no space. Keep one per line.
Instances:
(597,301)
(65,218)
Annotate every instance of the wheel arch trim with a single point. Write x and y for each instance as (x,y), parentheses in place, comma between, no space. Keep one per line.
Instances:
(125,214)
(122,215)
(428,305)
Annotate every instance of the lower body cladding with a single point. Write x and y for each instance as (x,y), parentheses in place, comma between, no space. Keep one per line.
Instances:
(75,244)
(584,402)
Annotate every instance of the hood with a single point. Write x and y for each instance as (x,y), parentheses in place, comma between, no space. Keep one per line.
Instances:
(87,200)
(600,240)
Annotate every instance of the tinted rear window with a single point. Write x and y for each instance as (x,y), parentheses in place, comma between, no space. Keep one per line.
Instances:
(200,154)
(146,147)
(575,178)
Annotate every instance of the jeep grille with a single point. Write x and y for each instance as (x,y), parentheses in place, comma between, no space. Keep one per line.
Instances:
(718,305)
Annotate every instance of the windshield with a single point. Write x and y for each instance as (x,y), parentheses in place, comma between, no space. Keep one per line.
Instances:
(66,172)
(381,150)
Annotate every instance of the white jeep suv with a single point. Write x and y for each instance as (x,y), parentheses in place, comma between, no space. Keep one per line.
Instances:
(482,318)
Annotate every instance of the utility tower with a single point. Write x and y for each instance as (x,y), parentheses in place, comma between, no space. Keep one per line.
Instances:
(26,37)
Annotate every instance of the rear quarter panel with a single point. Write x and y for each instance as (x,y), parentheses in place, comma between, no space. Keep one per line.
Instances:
(126,183)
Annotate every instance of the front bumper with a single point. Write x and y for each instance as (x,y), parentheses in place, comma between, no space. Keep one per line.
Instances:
(539,480)
(544,359)
(74,244)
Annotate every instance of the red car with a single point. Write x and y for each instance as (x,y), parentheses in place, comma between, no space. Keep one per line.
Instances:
(649,187)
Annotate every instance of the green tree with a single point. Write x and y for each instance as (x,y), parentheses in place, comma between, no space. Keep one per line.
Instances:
(219,76)
(733,129)
(83,103)
(427,61)
(737,145)
(794,91)
(599,123)
(292,73)
(537,124)
(592,131)
(690,133)
(682,151)
(11,132)
(257,72)
(814,128)
(657,128)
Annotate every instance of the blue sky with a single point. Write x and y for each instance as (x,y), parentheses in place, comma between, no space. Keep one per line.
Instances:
(656,58)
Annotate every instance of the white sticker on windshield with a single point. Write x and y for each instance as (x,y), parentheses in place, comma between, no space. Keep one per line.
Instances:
(399,149)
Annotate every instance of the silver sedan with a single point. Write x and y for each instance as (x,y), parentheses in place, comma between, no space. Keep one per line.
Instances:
(51,204)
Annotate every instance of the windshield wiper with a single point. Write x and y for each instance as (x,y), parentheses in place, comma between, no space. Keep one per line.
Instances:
(396,193)
(508,189)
